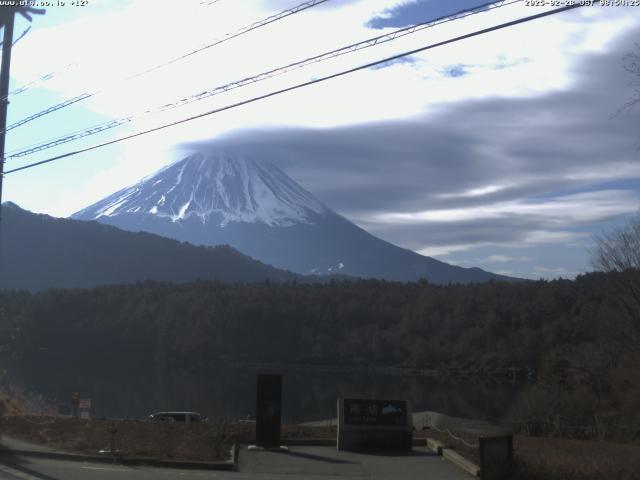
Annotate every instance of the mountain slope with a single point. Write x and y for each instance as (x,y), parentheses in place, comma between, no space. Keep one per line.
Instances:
(39,251)
(210,199)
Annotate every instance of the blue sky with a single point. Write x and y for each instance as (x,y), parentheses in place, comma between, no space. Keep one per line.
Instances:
(408,13)
(505,151)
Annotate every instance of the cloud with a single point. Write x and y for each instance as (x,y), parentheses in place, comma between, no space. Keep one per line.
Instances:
(475,192)
(455,71)
(494,172)
(505,258)
(573,209)
(397,61)
(523,149)
(106,58)
(415,11)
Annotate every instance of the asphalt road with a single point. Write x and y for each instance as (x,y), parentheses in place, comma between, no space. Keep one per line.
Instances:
(46,469)
(326,463)
(321,463)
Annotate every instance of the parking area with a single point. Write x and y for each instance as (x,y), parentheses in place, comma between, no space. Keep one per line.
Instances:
(328,463)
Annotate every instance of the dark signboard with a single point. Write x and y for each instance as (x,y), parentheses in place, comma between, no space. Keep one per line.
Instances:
(268,410)
(380,413)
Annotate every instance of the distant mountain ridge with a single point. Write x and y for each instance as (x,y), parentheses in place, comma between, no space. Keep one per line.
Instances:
(212,199)
(38,252)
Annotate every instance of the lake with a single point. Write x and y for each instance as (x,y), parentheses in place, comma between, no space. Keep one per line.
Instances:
(134,388)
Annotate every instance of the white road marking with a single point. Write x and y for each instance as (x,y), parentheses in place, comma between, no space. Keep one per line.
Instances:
(106,468)
(18,473)
(169,472)
(208,474)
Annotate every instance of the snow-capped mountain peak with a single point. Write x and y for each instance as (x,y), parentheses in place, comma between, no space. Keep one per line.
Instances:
(213,199)
(214,188)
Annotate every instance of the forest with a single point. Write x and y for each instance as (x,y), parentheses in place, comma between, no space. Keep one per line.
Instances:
(579,336)
(364,322)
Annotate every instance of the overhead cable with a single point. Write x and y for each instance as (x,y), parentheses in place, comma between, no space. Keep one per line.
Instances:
(225,38)
(42,78)
(304,84)
(202,95)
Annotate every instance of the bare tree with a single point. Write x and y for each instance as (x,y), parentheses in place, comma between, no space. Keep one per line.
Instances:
(618,250)
(618,253)
(632,65)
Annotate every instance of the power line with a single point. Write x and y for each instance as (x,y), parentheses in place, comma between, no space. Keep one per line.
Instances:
(42,78)
(49,140)
(225,38)
(26,30)
(371,42)
(49,75)
(305,84)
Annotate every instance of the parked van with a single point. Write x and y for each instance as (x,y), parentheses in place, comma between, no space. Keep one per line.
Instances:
(186,417)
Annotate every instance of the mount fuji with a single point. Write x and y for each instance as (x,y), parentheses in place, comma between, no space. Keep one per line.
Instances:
(214,199)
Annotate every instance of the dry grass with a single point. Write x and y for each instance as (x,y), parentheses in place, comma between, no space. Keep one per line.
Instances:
(536,458)
(542,458)
(169,441)
(8,406)
(560,459)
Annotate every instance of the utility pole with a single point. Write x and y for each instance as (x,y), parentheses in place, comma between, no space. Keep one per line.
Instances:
(7,43)
(7,18)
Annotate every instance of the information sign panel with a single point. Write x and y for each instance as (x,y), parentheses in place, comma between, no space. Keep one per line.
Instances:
(374,424)
(375,412)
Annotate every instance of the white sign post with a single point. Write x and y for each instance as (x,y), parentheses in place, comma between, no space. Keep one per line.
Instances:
(85,408)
